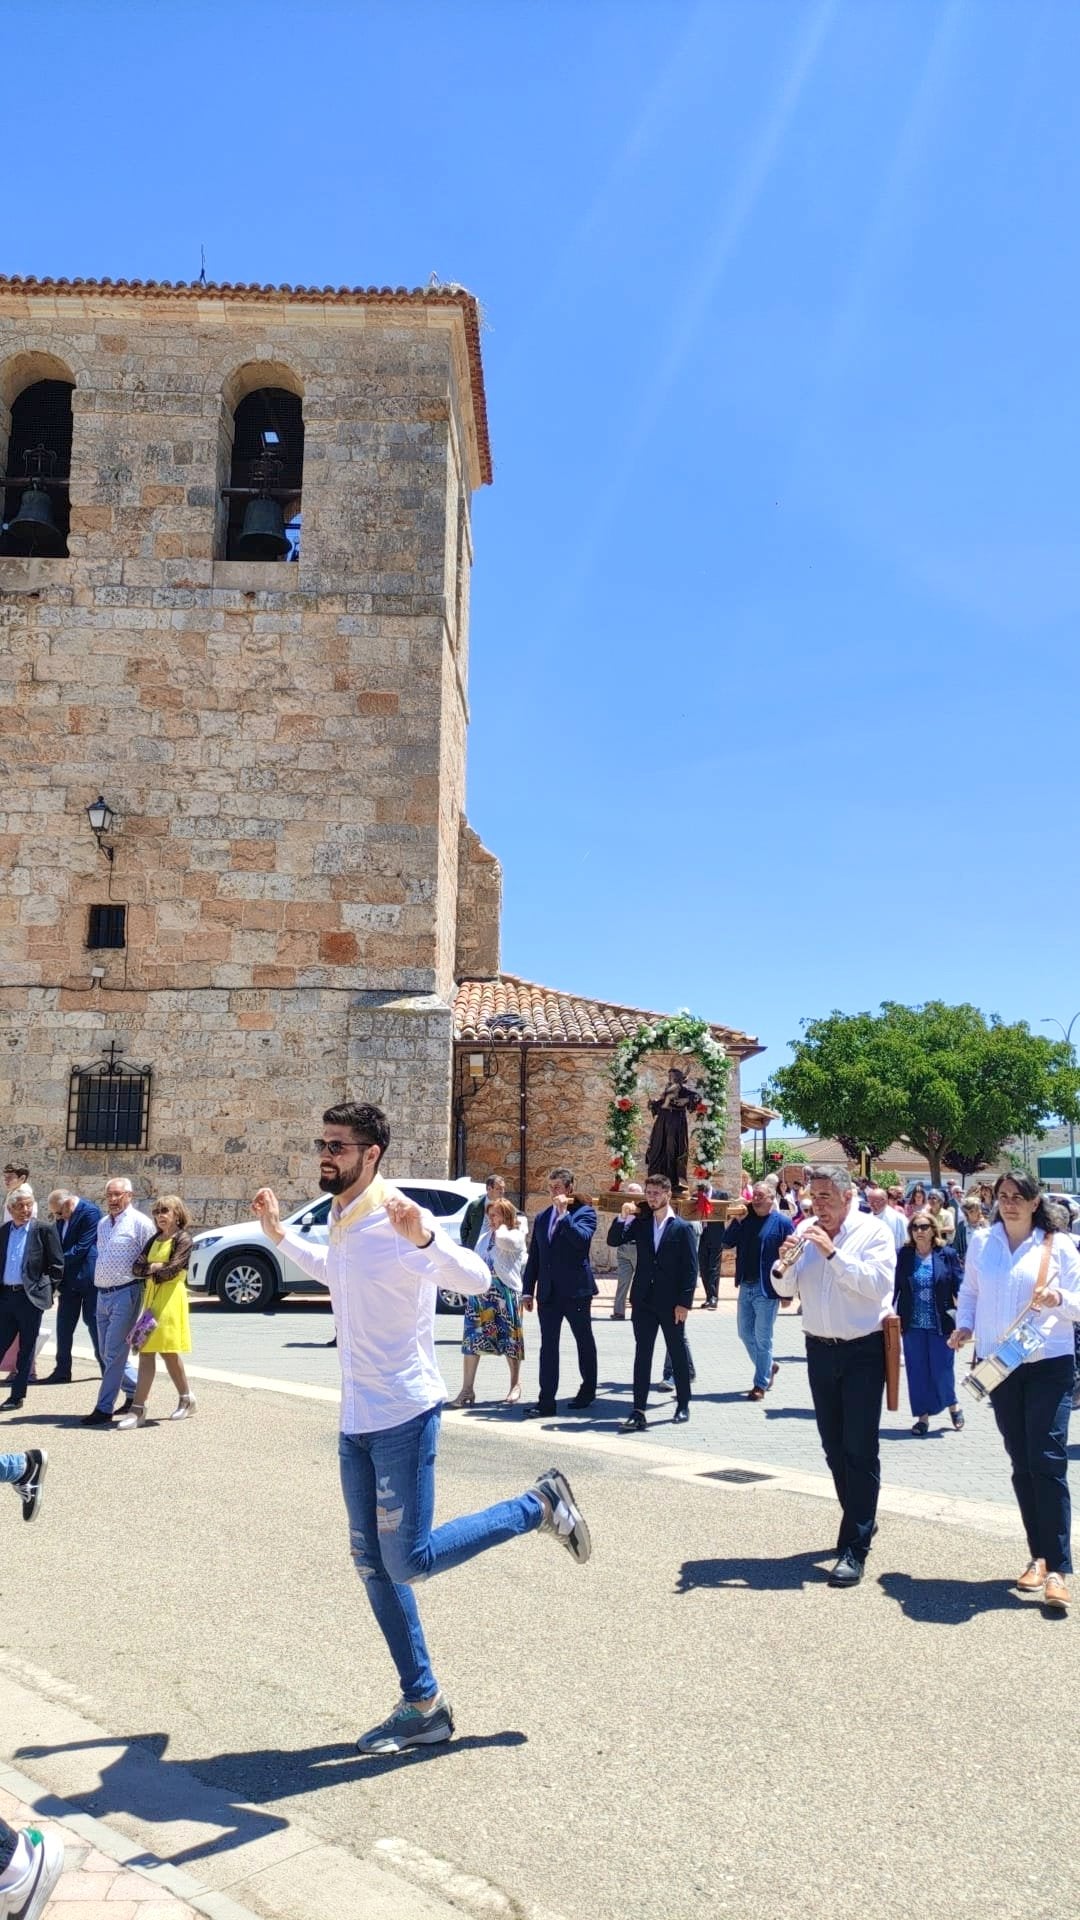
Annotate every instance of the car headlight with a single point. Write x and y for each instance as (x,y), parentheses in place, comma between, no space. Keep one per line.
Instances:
(204,1246)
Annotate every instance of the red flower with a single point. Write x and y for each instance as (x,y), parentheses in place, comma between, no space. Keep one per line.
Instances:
(701,1107)
(701,1173)
(624,1104)
(616,1160)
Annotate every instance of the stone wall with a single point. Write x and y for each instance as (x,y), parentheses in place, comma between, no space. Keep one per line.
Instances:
(283,744)
(479,908)
(567,1093)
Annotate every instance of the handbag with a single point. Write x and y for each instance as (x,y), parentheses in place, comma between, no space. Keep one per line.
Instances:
(140,1333)
(1019,1342)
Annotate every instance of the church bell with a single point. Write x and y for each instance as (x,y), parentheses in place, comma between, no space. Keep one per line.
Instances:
(262,536)
(34,530)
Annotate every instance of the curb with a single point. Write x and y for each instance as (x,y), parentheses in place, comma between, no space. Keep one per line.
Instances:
(278,1871)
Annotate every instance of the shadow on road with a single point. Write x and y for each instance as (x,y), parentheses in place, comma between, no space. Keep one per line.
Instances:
(952,1603)
(779,1573)
(160,1794)
(141,1782)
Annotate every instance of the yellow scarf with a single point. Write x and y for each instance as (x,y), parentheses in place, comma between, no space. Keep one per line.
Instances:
(374,1196)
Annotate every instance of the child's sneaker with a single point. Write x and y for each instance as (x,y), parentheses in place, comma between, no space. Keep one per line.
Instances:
(30,1894)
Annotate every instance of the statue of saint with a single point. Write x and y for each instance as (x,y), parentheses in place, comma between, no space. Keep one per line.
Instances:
(669,1142)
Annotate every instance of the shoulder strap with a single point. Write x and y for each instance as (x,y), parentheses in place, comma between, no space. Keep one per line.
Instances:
(1044,1263)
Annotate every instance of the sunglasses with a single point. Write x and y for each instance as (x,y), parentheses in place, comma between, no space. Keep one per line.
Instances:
(922,1226)
(335,1148)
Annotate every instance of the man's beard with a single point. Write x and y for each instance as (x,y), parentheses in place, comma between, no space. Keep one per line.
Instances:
(334,1182)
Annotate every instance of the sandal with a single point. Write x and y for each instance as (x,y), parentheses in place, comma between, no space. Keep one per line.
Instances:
(512,1397)
(185,1406)
(956,1415)
(463,1400)
(136,1418)
(922,1424)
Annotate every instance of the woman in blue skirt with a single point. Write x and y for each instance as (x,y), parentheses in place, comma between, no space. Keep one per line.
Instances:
(928,1276)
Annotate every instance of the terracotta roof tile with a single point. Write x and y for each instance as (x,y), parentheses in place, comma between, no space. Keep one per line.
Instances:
(525,1014)
(193,290)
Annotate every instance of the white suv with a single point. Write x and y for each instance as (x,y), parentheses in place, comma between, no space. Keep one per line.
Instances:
(249,1274)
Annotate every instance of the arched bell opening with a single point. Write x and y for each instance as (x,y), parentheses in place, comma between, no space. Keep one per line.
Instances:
(265,477)
(36,511)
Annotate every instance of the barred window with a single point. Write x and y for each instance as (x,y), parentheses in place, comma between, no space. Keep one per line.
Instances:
(106,927)
(108,1104)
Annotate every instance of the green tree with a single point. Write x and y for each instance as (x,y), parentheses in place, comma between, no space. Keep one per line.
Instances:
(944,1080)
(835,1086)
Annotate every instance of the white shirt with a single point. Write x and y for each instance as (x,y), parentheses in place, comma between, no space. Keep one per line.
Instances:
(848,1296)
(896,1223)
(659,1222)
(998,1284)
(120,1243)
(383,1291)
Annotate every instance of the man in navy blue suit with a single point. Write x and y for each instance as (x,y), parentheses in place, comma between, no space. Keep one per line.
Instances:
(665,1277)
(559,1277)
(76,1222)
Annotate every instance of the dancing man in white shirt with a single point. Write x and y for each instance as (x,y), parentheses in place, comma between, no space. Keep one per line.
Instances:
(384,1264)
(845,1280)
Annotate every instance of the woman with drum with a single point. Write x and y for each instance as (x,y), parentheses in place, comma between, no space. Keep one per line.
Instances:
(1022,1263)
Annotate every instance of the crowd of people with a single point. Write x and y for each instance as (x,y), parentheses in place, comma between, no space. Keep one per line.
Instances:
(941,1264)
(119,1271)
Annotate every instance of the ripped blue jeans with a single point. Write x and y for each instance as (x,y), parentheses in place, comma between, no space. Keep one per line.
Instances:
(388,1480)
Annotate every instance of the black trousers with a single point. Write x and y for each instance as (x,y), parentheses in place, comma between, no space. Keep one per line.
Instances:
(1032,1408)
(578,1317)
(647,1324)
(71,1302)
(19,1316)
(847,1383)
(709,1254)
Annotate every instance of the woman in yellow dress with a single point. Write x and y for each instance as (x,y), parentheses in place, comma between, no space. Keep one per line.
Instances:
(163,1265)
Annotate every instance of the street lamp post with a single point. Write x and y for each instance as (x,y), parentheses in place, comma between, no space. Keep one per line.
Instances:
(1067,1031)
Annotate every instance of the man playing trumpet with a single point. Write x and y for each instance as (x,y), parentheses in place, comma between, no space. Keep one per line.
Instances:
(843,1264)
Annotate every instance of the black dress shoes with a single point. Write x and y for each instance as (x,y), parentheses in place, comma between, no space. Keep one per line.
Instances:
(99,1418)
(580,1401)
(847,1572)
(538,1412)
(634,1423)
(681,1416)
(55,1379)
(10,1405)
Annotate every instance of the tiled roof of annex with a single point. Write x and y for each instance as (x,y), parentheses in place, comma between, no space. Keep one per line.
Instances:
(545,1017)
(214,292)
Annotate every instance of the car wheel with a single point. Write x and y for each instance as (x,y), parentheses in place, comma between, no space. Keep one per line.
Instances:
(448,1302)
(245,1282)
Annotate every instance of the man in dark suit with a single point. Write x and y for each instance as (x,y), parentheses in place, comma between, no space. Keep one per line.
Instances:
(559,1276)
(661,1296)
(31,1265)
(76,1223)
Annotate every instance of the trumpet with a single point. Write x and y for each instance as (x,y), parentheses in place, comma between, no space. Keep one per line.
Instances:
(783,1268)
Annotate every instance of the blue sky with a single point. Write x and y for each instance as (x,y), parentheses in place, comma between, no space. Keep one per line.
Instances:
(777,594)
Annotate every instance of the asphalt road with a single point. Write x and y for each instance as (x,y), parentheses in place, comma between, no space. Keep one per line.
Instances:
(693,1725)
(290,1344)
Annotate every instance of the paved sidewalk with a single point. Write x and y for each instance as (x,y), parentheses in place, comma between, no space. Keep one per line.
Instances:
(94,1886)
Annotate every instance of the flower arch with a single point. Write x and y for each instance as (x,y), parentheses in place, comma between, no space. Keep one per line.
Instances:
(681,1033)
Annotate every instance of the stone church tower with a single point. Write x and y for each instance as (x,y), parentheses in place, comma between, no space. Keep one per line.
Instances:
(234,604)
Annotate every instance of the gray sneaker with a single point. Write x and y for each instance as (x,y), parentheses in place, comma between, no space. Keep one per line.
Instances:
(564,1518)
(410,1726)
